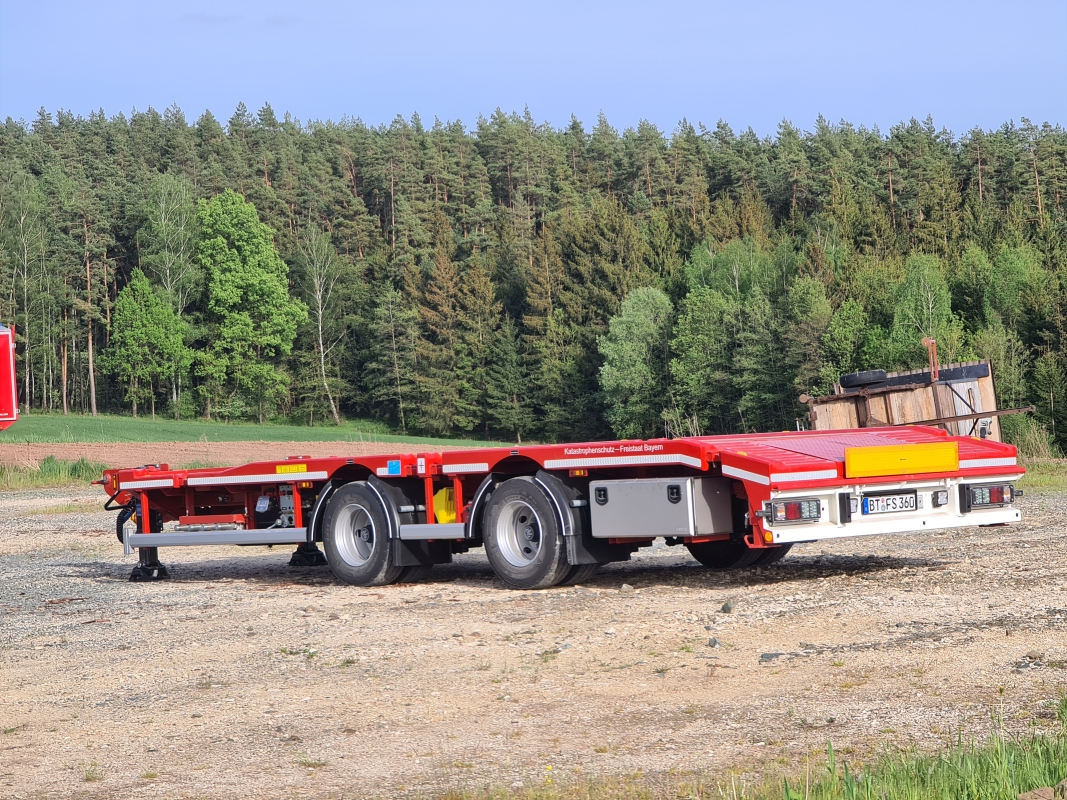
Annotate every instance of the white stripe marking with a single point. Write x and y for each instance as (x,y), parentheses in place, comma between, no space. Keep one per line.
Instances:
(975,463)
(288,477)
(734,472)
(814,475)
(448,469)
(152,484)
(618,461)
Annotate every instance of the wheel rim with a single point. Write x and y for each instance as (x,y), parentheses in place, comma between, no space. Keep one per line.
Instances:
(354,535)
(518,533)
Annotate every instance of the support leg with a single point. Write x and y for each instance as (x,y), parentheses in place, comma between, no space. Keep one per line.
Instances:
(308,555)
(148,567)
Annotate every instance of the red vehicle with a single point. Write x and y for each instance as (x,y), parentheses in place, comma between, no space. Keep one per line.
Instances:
(9,393)
(550,514)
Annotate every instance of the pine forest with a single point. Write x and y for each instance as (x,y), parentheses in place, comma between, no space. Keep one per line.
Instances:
(522,282)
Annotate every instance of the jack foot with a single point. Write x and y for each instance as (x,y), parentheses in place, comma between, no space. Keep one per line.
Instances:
(308,555)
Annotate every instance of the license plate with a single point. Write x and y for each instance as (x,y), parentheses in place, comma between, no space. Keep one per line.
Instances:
(889,503)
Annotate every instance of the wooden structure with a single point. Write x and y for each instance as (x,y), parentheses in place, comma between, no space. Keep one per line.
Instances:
(957,397)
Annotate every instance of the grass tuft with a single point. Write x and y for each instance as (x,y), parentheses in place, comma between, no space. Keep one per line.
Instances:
(93,773)
(50,472)
(999,769)
(1044,474)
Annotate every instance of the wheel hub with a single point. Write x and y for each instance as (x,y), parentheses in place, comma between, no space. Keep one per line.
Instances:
(518,532)
(354,535)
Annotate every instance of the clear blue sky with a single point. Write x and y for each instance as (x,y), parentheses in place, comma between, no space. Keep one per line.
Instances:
(965,62)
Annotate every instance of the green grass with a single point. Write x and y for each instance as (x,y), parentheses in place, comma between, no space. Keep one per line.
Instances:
(999,769)
(1044,474)
(55,428)
(50,472)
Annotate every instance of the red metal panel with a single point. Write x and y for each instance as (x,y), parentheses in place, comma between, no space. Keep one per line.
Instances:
(9,396)
(212,519)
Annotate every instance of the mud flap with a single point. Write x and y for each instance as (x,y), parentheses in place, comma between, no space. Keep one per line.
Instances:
(582,548)
(414,553)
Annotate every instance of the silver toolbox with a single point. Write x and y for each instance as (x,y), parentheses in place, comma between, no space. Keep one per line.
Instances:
(646,507)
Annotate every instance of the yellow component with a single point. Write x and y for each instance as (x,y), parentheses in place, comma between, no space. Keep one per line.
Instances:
(901,459)
(768,537)
(285,469)
(444,506)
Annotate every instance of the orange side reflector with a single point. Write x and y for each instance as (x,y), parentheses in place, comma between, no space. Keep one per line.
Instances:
(901,459)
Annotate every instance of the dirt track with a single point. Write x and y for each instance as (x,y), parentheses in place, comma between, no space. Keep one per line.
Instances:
(243,677)
(179,454)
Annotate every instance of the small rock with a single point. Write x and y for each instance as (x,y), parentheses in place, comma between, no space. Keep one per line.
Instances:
(609,632)
(1044,793)
(626,588)
(728,607)
(713,642)
(197,716)
(709,627)
(311,609)
(335,615)
(768,657)
(1034,655)
(517,785)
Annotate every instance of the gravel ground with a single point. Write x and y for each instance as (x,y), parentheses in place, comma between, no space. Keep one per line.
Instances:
(243,677)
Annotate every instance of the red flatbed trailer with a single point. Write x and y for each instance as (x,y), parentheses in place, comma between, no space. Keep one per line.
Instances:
(550,514)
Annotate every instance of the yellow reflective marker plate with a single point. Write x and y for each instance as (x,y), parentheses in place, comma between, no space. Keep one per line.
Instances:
(285,469)
(901,459)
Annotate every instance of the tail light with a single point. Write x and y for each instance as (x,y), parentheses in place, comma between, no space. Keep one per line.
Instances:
(989,496)
(804,510)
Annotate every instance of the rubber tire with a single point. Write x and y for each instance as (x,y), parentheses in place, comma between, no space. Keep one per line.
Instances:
(579,573)
(378,569)
(854,380)
(724,555)
(120,523)
(772,555)
(414,574)
(550,565)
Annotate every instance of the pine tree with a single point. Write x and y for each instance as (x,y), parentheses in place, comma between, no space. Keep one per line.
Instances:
(437,376)
(508,387)
(478,317)
(391,372)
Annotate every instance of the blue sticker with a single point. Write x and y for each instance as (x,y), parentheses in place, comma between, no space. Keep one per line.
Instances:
(393,467)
